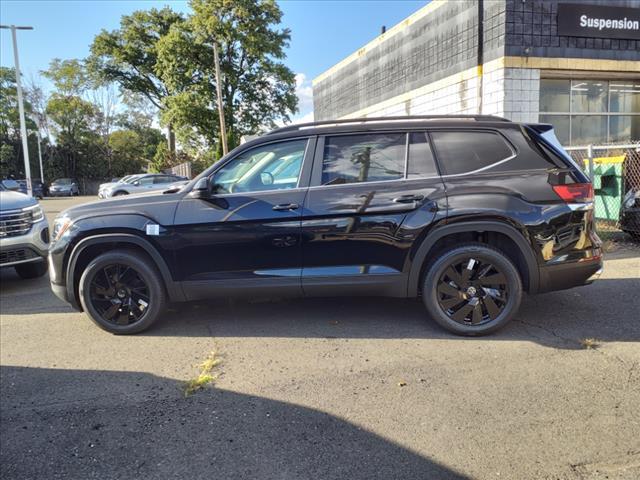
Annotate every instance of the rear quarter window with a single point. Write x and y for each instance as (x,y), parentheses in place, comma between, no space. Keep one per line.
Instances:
(462,151)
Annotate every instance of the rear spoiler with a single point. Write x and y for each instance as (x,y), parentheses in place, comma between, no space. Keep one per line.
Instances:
(540,127)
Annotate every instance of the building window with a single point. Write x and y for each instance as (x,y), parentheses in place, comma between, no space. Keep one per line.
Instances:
(591,111)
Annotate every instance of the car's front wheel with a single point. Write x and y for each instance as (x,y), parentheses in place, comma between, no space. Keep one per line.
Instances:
(472,289)
(32,270)
(122,292)
(119,193)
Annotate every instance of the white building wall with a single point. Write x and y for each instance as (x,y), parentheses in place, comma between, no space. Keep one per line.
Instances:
(512,93)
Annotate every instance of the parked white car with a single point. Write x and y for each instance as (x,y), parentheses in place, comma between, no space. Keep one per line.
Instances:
(148,183)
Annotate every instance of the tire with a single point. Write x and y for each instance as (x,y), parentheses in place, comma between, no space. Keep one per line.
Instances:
(474,301)
(119,193)
(114,289)
(32,270)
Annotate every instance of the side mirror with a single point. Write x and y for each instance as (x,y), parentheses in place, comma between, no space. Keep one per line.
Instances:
(202,188)
(136,183)
(266,178)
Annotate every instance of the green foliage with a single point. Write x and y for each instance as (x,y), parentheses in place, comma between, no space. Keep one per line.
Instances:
(257,88)
(168,59)
(128,56)
(11,157)
(162,63)
(68,76)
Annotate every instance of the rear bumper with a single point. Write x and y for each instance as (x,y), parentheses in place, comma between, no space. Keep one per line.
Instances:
(570,274)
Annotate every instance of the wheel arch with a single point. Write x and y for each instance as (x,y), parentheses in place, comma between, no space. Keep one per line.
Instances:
(519,248)
(94,245)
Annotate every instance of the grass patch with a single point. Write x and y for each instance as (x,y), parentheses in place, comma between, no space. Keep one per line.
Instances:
(206,376)
(590,343)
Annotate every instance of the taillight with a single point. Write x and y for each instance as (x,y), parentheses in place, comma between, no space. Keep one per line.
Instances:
(575,192)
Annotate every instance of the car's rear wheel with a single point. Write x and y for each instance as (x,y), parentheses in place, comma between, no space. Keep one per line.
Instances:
(472,289)
(31,270)
(122,292)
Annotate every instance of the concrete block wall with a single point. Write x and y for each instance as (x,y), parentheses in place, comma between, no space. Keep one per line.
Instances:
(513,93)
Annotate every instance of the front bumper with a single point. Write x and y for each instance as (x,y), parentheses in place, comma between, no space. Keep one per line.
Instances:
(27,248)
(60,193)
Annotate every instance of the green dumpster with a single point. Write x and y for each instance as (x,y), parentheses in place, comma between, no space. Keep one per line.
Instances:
(607,184)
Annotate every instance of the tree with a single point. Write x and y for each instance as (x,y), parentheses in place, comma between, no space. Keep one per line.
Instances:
(258,89)
(11,157)
(128,56)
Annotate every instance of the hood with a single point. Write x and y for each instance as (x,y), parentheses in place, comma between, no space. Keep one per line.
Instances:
(128,204)
(15,200)
(107,185)
(59,186)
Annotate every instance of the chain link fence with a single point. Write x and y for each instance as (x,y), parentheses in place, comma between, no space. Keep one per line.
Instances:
(615,172)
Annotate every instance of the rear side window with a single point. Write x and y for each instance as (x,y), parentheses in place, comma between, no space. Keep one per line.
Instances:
(363,158)
(465,151)
(420,160)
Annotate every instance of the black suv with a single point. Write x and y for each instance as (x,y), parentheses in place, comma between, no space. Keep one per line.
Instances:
(466,212)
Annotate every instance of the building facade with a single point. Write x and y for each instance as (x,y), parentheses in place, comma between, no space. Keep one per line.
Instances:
(575,65)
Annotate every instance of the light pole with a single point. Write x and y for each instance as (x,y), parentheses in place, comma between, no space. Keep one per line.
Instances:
(223,128)
(23,125)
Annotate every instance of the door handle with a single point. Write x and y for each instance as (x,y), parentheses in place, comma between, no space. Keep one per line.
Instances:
(408,198)
(285,207)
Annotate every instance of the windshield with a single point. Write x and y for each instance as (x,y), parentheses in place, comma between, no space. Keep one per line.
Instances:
(130,178)
(63,181)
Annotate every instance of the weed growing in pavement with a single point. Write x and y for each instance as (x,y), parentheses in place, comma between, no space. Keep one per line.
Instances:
(590,343)
(205,377)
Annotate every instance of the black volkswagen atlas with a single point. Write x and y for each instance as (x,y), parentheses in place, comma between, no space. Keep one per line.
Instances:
(466,212)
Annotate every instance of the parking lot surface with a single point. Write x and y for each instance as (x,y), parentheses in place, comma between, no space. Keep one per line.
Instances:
(344,388)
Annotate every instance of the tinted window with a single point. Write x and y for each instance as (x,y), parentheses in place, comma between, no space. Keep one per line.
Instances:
(465,151)
(164,179)
(363,158)
(145,180)
(268,167)
(421,162)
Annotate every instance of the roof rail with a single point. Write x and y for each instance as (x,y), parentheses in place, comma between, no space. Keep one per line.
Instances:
(355,121)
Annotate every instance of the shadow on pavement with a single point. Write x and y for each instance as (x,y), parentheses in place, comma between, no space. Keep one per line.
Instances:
(100,424)
(606,310)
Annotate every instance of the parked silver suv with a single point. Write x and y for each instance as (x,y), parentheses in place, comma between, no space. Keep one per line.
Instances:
(24,232)
(145,183)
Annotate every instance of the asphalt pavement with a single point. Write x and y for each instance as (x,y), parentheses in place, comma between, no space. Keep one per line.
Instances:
(340,388)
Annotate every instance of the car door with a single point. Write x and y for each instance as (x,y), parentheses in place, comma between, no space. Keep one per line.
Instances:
(143,184)
(247,235)
(370,196)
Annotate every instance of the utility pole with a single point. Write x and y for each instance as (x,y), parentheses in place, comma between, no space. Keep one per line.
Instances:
(223,128)
(23,125)
(40,153)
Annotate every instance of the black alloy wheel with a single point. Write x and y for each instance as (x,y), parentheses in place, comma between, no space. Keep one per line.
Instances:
(122,291)
(119,294)
(472,289)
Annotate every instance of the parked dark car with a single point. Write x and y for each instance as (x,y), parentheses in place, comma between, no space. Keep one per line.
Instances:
(39,188)
(465,212)
(64,187)
(630,213)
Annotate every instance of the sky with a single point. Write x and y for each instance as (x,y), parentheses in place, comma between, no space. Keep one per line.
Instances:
(323,32)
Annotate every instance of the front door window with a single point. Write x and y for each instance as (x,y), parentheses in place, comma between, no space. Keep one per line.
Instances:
(275,166)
